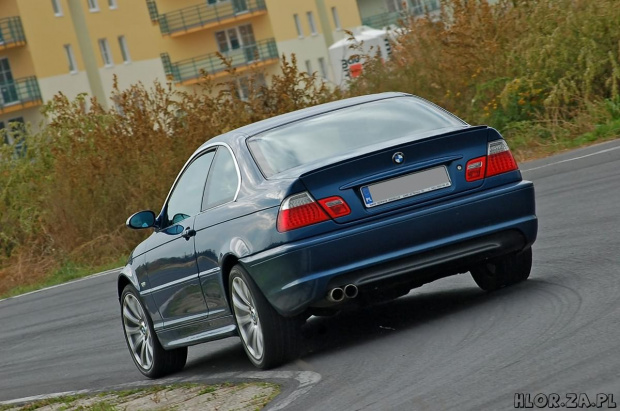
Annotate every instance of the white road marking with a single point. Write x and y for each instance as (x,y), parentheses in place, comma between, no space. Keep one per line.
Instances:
(572,159)
(112,271)
(306,379)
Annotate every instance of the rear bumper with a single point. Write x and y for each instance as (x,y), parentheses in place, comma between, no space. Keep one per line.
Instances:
(414,247)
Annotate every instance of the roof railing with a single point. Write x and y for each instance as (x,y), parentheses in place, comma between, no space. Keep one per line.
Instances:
(204,14)
(11,32)
(193,68)
(19,92)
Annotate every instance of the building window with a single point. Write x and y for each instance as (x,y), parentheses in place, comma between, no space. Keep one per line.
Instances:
(336,18)
(309,66)
(93,5)
(420,7)
(234,38)
(106,55)
(248,85)
(112,4)
(57,8)
(71,58)
(311,22)
(244,88)
(300,31)
(14,133)
(323,67)
(395,5)
(9,93)
(122,42)
(4,134)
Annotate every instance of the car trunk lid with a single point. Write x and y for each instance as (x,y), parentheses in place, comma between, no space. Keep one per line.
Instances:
(411,173)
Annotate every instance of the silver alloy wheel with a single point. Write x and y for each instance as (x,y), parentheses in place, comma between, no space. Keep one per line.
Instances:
(247,318)
(137,331)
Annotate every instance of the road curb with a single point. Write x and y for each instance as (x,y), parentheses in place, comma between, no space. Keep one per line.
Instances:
(294,384)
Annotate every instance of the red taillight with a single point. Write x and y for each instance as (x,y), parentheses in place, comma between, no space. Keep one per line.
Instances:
(474,170)
(500,159)
(335,206)
(298,211)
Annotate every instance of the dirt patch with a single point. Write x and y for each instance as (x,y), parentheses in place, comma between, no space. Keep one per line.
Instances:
(238,397)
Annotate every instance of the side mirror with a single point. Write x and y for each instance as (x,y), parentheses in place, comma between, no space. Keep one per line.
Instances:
(141,219)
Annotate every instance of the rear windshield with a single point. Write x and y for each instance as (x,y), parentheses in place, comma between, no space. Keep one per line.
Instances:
(341,131)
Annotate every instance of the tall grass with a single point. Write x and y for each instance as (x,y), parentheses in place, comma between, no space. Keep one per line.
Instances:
(545,72)
(538,70)
(67,199)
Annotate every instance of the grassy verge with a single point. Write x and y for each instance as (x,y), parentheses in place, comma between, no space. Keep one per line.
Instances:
(531,140)
(245,396)
(526,148)
(67,272)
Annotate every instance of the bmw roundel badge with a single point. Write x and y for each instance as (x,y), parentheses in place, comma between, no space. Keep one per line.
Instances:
(398,158)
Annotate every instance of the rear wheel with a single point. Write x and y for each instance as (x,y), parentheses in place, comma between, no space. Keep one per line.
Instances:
(146,351)
(503,272)
(268,338)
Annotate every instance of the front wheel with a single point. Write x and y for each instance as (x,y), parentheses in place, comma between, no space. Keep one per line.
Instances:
(146,351)
(268,338)
(506,271)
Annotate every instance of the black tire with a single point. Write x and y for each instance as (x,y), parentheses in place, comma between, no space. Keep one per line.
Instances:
(506,271)
(141,338)
(254,316)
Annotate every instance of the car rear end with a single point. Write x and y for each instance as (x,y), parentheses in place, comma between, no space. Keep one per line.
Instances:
(388,195)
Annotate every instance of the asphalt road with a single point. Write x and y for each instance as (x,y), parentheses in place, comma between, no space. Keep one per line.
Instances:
(447,345)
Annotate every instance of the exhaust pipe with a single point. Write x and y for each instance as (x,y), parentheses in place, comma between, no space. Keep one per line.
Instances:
(335,295)
(350,290)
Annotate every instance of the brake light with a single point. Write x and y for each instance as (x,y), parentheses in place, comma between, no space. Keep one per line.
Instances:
(500,159)
(335,206)
(474,170)
(299,210)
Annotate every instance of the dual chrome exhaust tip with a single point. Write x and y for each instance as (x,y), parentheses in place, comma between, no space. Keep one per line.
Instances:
(338,294)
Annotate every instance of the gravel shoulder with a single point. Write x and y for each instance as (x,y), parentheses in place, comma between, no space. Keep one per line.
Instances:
(187,397)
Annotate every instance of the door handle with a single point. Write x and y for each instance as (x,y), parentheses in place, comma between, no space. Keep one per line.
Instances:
(188,233)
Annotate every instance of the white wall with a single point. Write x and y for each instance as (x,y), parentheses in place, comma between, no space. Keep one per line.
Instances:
(308,48)
(70,84)
(144,71)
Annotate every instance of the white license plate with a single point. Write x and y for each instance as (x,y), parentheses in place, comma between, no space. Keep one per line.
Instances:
(405,186)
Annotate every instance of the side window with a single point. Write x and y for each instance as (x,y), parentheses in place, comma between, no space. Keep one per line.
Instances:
(187,195)
(223,180)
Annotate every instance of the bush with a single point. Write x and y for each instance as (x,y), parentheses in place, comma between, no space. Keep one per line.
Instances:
(544,72)
(68,198)
(517,65)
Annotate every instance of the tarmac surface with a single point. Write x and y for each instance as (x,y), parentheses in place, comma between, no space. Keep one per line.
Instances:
(447,345)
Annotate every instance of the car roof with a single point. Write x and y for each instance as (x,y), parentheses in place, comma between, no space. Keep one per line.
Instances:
(241,133)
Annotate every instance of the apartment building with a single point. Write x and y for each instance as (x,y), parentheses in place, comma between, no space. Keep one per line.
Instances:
(251,33)
(79,46)
(20,95)
(73,47)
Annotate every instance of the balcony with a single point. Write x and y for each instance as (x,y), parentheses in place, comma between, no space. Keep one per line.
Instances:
(379,21)
(19,94)
(153,13)
(11,33)
(415,8)
(191,70)
(205,16)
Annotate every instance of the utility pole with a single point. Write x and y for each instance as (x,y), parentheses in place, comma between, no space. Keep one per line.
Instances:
(88,54)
